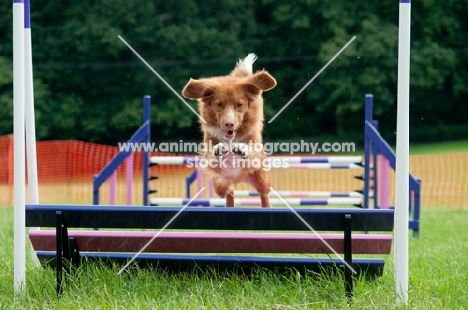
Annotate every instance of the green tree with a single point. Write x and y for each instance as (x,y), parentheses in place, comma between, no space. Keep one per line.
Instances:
(89,85)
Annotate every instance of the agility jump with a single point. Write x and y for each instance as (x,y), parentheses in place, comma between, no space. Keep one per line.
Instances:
(62,217)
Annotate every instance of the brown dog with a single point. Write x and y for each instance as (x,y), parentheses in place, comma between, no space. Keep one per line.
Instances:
(232,107)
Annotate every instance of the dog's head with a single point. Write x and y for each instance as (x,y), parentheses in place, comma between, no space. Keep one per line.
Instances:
(230,104)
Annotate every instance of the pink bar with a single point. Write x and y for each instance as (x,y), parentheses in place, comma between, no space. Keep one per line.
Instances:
(300,166)
(213,242)
(384,183)
(112,187)
(250,202)
(129,178)
(299,194)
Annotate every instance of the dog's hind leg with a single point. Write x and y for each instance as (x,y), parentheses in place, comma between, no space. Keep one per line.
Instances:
(230,198)
(226,191)
(261,181)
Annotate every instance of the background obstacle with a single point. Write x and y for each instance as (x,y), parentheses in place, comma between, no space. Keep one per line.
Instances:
(301,194)
(374,148)
(340,162)
(181,160)
(308,163)
(300,162)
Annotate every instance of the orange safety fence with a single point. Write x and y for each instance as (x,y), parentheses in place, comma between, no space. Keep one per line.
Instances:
(66,169)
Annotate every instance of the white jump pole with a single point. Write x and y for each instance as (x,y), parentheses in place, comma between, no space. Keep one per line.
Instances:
(18,147)
(402,154)
(30,120)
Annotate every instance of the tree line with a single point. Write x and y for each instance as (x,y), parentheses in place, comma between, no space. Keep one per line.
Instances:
(89,84)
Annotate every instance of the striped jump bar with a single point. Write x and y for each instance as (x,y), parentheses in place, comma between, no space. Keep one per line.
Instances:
(179,160)
(322,160)
(212,202)
(301,194)
(321,166)
(173,160)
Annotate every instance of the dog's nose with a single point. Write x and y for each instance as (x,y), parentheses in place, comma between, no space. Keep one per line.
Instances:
(228,125)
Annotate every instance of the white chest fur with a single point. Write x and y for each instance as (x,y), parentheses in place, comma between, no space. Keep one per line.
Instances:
(231,168)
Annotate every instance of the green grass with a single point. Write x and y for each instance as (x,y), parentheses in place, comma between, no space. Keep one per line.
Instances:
(439,147)
(438,280)
(443,147)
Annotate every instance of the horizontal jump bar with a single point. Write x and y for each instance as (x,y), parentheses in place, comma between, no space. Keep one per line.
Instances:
(321,166)
(179,160)
(369,267)
(91,216)
(213,242)
(213,202)
(302,194)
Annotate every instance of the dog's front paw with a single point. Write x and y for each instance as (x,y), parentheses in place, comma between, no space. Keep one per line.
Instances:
(240,149)
(220,149)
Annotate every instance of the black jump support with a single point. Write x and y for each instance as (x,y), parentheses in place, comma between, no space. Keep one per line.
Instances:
(67,253)
(348,256)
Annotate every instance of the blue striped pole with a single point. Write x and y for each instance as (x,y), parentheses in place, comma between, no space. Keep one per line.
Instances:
(302,194)
(200,162)
(367,148)
(146,154)
(18,147)
(213,202)
(320,166)
(402,153)
(338,160)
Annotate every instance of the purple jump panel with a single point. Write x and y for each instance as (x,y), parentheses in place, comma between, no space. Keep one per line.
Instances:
(384,183)
(129,178)
(213,242)
(113,188)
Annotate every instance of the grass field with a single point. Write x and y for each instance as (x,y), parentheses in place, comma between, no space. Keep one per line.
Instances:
(438,265)
(439,148)
(442,147)
(438,280)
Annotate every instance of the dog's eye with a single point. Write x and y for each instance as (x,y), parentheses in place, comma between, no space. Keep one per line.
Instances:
(239,105)
(220,105)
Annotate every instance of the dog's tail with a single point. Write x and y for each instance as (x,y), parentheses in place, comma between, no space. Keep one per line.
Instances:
(244,66)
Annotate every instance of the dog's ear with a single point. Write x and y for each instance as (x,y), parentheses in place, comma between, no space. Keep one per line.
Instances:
(251,90)
(197,89)
(194,89)
(263,80)
(260,81)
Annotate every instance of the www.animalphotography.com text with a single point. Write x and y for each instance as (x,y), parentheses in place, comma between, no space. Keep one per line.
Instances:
(301,147)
